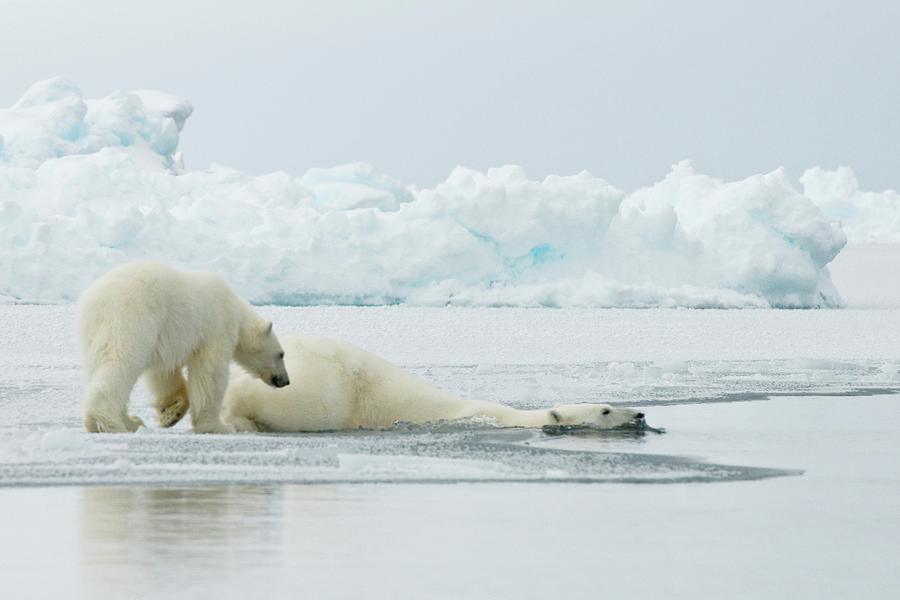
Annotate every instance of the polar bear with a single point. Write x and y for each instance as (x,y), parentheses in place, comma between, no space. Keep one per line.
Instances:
(147,318)
(338,386)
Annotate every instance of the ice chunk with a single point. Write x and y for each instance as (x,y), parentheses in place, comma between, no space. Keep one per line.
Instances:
(867,217)
(52,119)
(88,184)
(355,186)
(166,105)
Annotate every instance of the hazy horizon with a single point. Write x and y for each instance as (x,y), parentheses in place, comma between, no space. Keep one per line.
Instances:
(415,88)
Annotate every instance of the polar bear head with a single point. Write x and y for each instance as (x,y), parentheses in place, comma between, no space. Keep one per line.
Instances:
(599,415)
(259,352)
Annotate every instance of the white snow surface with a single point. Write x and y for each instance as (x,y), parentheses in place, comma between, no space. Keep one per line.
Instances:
(89,184)
(526,358)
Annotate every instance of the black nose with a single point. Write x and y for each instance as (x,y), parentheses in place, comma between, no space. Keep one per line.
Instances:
(639,416)
(279,382)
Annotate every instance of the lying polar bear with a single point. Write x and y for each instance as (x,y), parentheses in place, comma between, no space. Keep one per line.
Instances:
(339,386)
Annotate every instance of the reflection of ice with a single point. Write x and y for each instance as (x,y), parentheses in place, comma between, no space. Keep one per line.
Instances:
(128,533)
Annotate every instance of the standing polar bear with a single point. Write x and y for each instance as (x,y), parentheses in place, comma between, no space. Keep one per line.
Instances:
(338,386)
(147,318)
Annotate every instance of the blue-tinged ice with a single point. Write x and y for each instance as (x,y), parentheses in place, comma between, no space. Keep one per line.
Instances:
(88,184)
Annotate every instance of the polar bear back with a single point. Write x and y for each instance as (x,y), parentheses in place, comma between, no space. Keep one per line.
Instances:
(337,386)
(130,307)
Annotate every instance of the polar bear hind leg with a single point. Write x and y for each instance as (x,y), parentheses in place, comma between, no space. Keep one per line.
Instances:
(106,399)
(170,395)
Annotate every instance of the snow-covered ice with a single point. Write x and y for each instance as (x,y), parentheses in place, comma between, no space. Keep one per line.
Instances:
(537,358)
(88,184)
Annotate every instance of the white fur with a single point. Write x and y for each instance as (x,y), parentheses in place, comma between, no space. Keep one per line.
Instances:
(147,318)
(338,386)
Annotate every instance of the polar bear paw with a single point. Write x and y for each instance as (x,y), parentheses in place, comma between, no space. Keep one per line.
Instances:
(173,412)
(102,423)
(243,424)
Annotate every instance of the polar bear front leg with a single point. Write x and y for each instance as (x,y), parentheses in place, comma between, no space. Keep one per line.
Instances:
(170,395)
(206,385)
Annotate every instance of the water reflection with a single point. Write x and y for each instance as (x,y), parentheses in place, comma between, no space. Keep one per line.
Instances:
(172,538)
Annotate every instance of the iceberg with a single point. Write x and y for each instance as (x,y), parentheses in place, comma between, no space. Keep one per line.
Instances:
(867,217)
(89,184)
(53,120)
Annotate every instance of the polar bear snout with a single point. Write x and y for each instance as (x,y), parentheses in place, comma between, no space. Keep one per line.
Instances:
(279,381)
(639,416)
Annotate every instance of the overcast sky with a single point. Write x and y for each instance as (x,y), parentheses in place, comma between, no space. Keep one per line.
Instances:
(623,89)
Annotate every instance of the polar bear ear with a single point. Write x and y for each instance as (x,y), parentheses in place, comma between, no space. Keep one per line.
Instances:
(555,416)
(268,328)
